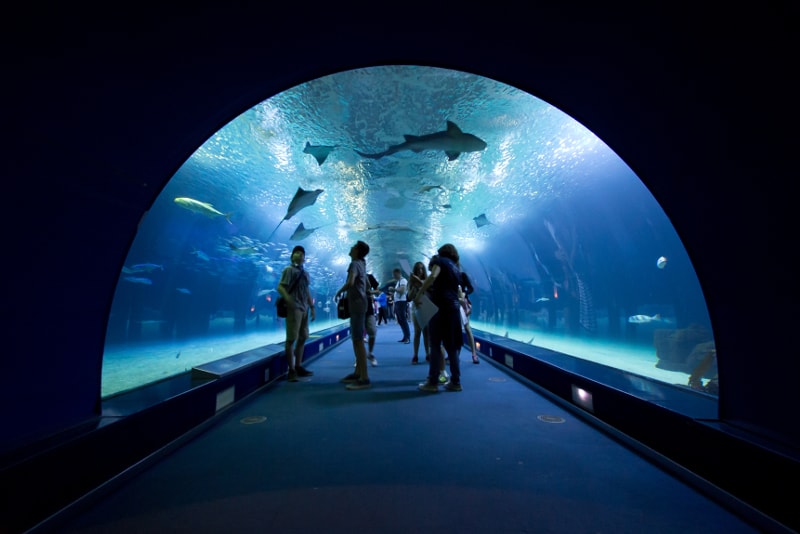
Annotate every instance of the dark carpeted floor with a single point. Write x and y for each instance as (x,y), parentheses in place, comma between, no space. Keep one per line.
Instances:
(314,457)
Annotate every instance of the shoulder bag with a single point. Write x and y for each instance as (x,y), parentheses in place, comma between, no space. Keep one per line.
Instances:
(343,307)
(282,309)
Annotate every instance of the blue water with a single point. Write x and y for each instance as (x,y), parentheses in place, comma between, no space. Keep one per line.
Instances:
(568,254)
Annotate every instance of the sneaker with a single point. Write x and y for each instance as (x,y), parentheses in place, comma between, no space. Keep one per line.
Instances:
(414,360)
(427,386)
(292,376)
(302,371)
(373,360)
(443,377)
(452,387)
(359,384)
(349,379)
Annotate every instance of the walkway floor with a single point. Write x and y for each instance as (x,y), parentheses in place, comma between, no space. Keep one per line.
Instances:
(312,456)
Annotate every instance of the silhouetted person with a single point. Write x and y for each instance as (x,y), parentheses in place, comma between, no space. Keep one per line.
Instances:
(445,325)
(401,304)
(298,301)
(356,289)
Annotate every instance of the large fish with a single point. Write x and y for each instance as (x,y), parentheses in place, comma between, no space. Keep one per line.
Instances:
(203,208)
(320,152)
(452,141)
(302,199)
(644,319)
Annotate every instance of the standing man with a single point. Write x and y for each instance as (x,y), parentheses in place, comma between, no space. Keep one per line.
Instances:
(293,287)
(356,288)
(401,304)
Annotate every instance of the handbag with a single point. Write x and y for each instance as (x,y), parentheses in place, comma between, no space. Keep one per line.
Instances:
(281,308)
(343,308)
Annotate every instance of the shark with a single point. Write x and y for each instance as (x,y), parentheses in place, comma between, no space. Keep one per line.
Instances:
(302,199)
(320,152)
(203,208)
(452,141)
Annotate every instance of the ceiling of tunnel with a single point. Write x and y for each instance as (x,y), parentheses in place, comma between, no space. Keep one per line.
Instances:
(346,138)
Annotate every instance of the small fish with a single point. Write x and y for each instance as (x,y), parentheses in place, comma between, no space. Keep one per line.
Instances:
(543,299)
(244,251)
(178,355)
(426,188)
(183,290)
(203,208)
(320,152)
(644,319)
(452,141)
(139,280)
(142,268)
(481,220)
(200,254)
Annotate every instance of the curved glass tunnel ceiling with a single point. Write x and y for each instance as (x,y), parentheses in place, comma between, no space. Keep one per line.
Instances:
(560,237)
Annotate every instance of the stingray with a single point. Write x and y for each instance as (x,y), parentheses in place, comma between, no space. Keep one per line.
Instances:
(320,152)
(481,220)
(302,199)
(302,232)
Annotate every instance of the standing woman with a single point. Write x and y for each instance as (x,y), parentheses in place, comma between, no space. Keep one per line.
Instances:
(418,275)
(445,326)
(356,288)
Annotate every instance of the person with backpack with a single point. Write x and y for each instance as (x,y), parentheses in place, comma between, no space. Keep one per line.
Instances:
(355,291)
(294,289)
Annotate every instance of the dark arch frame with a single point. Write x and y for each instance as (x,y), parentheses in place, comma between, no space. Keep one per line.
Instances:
(705,118)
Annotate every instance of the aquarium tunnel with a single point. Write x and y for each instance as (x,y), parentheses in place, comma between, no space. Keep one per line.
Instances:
(566,247)
(610,195)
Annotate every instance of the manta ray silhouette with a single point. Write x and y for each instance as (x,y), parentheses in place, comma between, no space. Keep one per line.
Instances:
(301,232)
(302,199)
(481,220)
(320,152)
(452,141)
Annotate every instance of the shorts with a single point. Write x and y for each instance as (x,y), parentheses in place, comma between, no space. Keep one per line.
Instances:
(371,325)
(296,324)
(358,320)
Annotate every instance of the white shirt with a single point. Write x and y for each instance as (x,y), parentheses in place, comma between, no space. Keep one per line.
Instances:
(400,294)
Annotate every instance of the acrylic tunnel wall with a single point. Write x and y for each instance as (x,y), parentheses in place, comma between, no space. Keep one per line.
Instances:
(566,247)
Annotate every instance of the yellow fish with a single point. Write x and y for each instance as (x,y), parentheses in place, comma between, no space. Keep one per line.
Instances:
(203,208)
